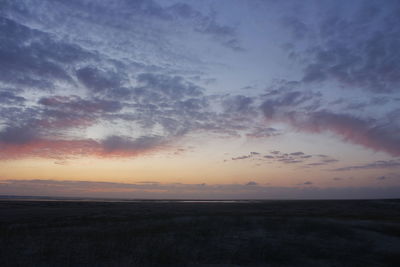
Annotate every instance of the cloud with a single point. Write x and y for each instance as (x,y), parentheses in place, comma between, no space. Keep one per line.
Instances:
(163,86)
(238,104)
(51,117)
(170,103)
(55,149)
(242,157)
(341,51)
(97,80)
(17,135)
(152,190)
(77,104)
(323,160)
(277,102)
(62,73)
(288,158)
(293,109)
(297,154)
(10,98)
(260,132)
(355,130)
(381,164)
(356,48)
(128,16)
(316,164)
(207,24)
(21,144)
(136,69)
(36,59)
(32,58)
(126,144)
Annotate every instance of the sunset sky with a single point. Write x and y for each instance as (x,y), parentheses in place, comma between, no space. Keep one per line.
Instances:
(200,99)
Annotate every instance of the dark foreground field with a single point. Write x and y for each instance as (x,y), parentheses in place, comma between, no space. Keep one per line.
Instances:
(270,233)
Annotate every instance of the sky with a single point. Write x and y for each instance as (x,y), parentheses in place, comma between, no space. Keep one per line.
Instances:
(200,99)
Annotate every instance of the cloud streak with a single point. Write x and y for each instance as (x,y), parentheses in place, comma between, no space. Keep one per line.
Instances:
(296,158)
(381,164)
(112,146)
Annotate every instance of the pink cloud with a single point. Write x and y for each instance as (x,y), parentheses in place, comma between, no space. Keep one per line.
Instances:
(350,129)
(61,149)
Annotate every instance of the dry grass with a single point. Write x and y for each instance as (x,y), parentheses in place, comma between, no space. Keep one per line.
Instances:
(270,233)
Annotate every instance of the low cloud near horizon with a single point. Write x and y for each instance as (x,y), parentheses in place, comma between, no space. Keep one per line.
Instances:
(155,190)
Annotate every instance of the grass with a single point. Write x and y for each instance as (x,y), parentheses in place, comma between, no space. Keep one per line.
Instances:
(269,233)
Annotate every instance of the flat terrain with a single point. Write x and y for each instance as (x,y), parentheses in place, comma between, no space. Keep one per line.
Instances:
(150,233)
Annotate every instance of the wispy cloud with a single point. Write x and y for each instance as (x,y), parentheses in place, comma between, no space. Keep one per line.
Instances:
(381,164)
(357,50)
(295,158)
(75,76)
